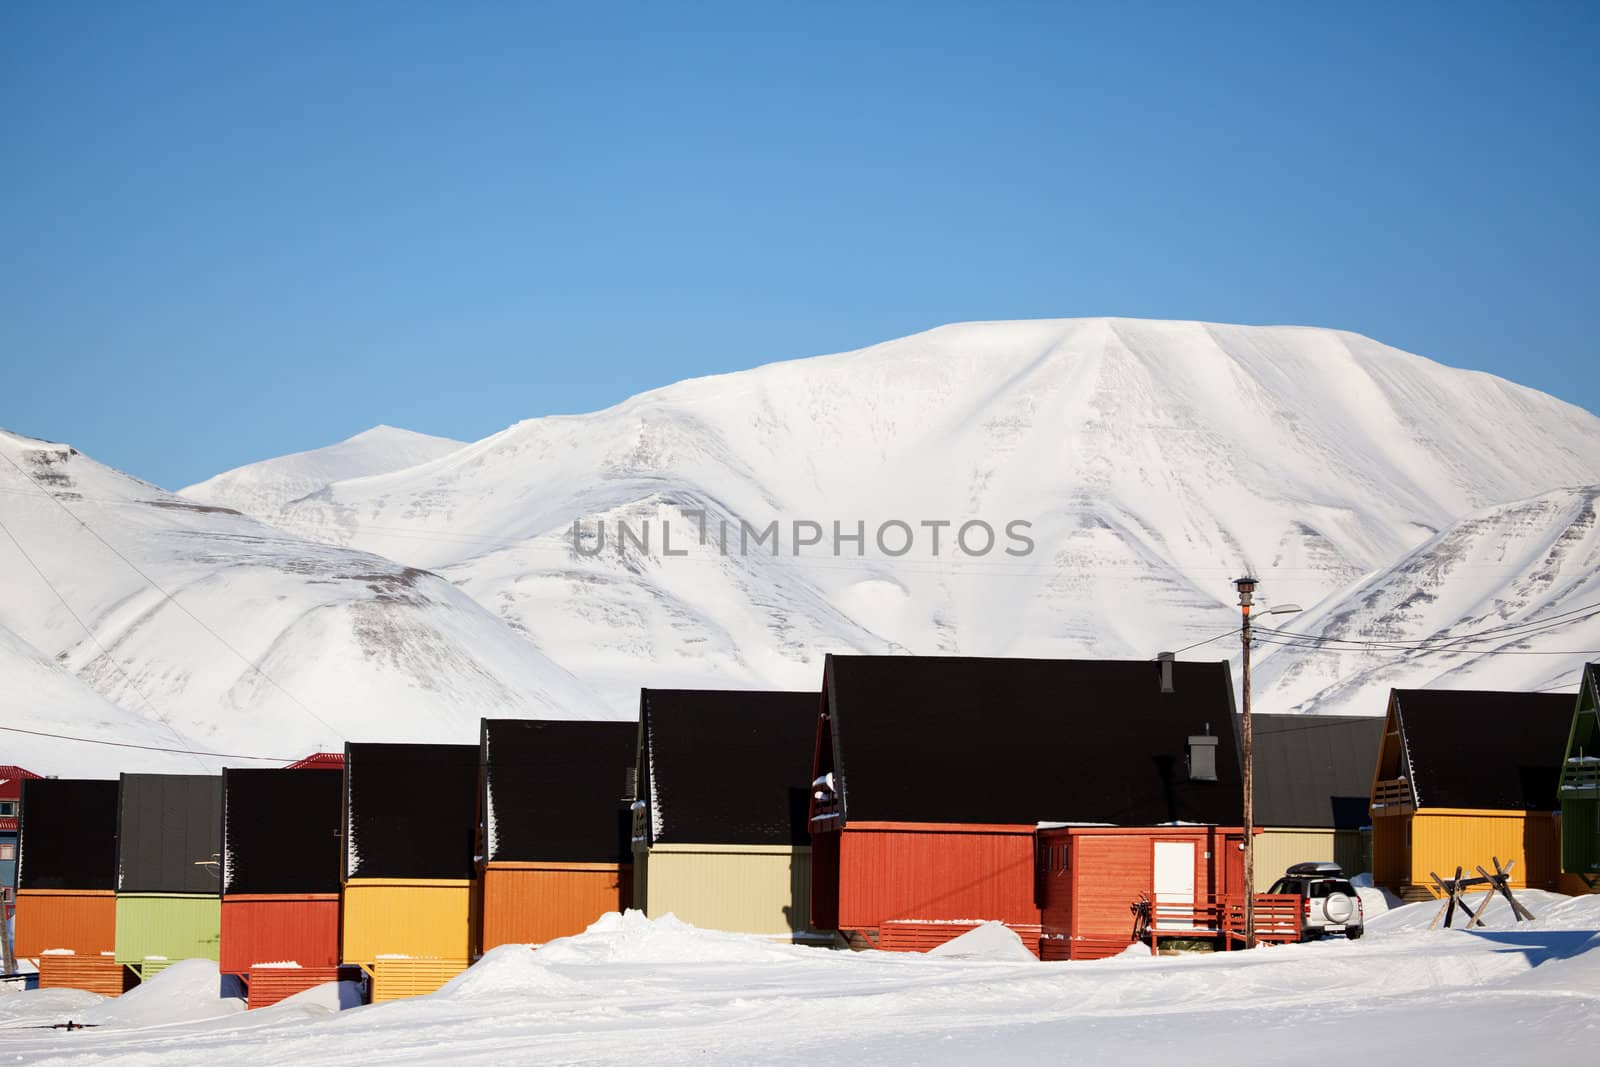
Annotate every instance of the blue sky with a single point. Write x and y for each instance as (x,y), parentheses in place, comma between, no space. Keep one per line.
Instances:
(234,231)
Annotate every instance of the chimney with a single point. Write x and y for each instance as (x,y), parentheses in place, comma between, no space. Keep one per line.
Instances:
(1203,757)
(1167,659)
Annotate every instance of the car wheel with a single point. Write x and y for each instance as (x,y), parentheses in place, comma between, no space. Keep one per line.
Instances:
(1353,932)
(1311,935)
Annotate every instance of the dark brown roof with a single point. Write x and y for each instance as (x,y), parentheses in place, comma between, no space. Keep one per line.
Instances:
(558,790)
(281,830)
(1473,748)
(1315,770)
(69,834)
(169,834)
(411,811)
(957,739)
(727,767)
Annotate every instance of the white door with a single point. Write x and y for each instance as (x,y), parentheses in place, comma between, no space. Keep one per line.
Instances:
(1174,884)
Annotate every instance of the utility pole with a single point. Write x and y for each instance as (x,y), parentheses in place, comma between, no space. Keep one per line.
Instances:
(5,937)
(1247,588)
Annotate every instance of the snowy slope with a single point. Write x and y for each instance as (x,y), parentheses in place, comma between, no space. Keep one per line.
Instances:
(1520,574)
(1155,461)
(262,489)
(630,991)
(213,631)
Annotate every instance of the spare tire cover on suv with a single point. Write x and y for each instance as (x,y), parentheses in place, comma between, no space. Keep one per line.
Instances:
(1338,908)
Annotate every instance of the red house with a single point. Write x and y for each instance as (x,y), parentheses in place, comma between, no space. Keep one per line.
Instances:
(933,774)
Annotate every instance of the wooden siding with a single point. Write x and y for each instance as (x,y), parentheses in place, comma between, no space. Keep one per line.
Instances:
(168,926)
(257,928)
(1089,893)
(268,985)
(1580,836)
(752,889)
(394,979)
(98,974)
(935,871)
(1440,839)
(531,903)
(82,920)
(915,935)
(1391,850)
(1279,848)
(426,917)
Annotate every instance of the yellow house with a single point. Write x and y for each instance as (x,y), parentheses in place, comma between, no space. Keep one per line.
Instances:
(720,838)
(410,827)
(1313,778)
(1465,777)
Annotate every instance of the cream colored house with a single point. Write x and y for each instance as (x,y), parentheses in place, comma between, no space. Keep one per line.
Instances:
(719,824)
(1313,780)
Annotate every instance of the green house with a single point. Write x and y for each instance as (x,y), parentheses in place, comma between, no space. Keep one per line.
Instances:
(1580,784)
(155,930)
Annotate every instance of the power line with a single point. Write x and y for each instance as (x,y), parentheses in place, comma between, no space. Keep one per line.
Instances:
(148,748)
(170,598)
(109,658)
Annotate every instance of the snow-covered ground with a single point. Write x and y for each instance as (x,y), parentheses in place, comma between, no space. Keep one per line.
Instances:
(632,991)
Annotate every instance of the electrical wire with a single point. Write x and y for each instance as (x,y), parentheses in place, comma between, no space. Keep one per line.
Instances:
(149,748)
(172,599)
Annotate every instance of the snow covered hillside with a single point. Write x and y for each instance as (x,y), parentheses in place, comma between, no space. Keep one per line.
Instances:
(136,614)
(260,490)
(632,991)
(1154,461)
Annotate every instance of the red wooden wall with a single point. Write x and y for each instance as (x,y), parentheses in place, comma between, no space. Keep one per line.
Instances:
(889,871)
(1107,869)
(277,927)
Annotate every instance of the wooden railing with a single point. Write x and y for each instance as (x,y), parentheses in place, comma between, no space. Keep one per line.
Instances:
(1219,918)
(1391,794)
(1580,777)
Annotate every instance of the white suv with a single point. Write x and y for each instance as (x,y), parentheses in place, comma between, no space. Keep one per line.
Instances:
(1329,903)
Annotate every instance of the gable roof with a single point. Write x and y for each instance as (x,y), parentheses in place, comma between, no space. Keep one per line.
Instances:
(727,767)
(558,790)
(169,833)
(280,830)
(317,761)
(1583,737)
(69,834)
(967,740)
(411,811)
(11,779)
(1315,770)
(1473,748)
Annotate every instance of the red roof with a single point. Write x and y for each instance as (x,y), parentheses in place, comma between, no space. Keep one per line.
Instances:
(11,778)
(319,761)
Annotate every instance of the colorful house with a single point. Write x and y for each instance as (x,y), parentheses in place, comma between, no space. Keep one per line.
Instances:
(280,878)
(719,830)
(555,820)
(1313,784)
(11,779)
(1090,877)
(1580,784)
(66,883)
(410,818)
(1465,777)
(931,775)
(169,870)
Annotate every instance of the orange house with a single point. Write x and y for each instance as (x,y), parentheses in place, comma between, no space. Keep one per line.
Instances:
(1465,777)
(933,773)
(554,799)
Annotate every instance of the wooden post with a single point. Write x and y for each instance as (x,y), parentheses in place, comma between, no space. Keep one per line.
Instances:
(1245,588)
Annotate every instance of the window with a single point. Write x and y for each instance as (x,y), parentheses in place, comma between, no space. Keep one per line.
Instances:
(8,807)
(8,851)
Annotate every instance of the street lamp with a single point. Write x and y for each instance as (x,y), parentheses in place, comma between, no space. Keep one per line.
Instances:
(1247,589)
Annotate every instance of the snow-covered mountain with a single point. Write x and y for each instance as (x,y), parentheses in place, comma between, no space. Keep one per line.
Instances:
(133,612)
(260,490)
(1155,461)
(1523,579)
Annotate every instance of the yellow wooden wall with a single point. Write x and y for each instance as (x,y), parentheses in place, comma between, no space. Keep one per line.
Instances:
(1443,838)
(421,917)
(1279,848)
(752,889)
